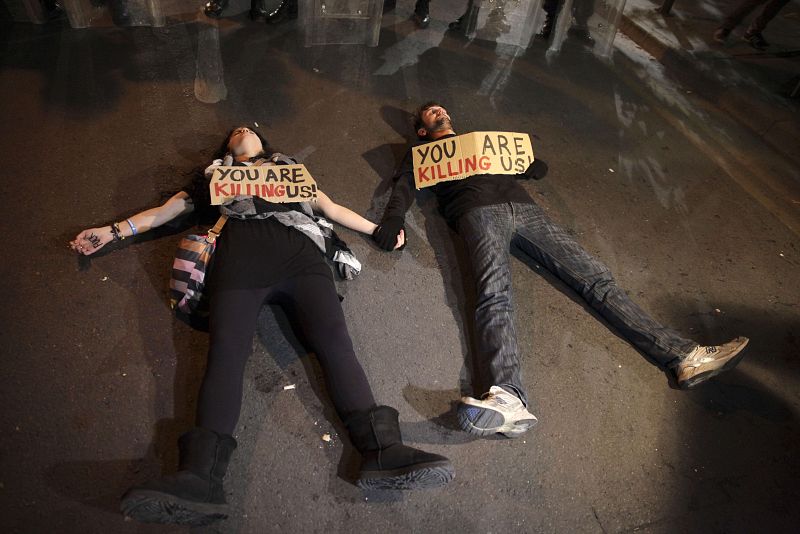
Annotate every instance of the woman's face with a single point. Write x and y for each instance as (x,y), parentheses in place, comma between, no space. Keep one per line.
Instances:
(244,141)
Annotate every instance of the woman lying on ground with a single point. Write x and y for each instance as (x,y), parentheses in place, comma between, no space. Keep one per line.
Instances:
(263,256)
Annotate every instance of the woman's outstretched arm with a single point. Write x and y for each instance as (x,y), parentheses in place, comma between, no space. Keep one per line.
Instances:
(93,239)
(347,217)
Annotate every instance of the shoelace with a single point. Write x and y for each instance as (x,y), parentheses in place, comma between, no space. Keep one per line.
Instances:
(711,353)
(495,400)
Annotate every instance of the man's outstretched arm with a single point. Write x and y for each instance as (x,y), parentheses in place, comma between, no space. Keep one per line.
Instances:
(402,197)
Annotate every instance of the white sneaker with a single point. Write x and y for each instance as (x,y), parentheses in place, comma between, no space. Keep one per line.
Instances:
(497,412)
(704,362)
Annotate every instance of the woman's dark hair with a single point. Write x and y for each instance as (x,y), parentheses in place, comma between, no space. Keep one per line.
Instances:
(420,110)
(223,148)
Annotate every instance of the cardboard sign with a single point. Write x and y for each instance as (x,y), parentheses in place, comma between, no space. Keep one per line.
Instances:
(462,156)
(273,183)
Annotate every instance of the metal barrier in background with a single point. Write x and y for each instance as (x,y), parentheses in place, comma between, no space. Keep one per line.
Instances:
(594,22)
(341,21)
(26,11)
(510,22)
(518,22)
(86,13)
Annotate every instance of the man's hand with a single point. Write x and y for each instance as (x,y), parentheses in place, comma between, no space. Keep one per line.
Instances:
(387,233)
(91,240)
(536,170)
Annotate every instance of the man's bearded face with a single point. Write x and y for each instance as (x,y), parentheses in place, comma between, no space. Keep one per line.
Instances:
(436,119)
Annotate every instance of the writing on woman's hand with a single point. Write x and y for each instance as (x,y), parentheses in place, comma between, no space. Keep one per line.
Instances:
(91,240)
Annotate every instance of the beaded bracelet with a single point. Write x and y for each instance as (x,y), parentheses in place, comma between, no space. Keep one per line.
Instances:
(116,232)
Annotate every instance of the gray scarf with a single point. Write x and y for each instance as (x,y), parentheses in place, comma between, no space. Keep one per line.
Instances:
(318,229)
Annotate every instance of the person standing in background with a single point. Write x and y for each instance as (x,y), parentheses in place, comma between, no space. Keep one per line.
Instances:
(753,35)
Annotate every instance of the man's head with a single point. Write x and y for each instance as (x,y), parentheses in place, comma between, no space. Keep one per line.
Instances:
(243,141)
(431,119)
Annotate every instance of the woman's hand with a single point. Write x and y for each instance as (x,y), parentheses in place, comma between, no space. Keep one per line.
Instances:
(91,240)
(401,240)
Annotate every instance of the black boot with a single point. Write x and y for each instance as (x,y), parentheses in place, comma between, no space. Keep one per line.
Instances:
(192,496)
(287,10)
(258,10)
(52,9)
(214,8)
(388,464)
(422,16)
(580,32)
(547,27)
(120,14)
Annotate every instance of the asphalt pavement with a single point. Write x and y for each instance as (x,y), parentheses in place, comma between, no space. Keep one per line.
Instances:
(693,215)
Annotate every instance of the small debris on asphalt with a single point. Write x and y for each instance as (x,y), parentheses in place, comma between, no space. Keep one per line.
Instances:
(326,437)
(717,310)
(106,278)
(611,170)
(290,386)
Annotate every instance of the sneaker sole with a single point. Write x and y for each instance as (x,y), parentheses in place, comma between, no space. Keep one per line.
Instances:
(479,421)
(482,422)
(431,475)
(149,506)
(702,377)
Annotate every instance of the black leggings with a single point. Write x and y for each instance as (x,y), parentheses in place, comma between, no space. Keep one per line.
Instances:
(313,307)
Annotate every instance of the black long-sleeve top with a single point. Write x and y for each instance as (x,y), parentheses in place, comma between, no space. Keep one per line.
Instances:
(458,196)
(254,253)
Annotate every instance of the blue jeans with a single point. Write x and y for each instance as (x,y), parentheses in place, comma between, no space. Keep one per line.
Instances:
(489,231)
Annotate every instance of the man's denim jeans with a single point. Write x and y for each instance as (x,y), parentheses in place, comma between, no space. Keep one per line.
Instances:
(489,231)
